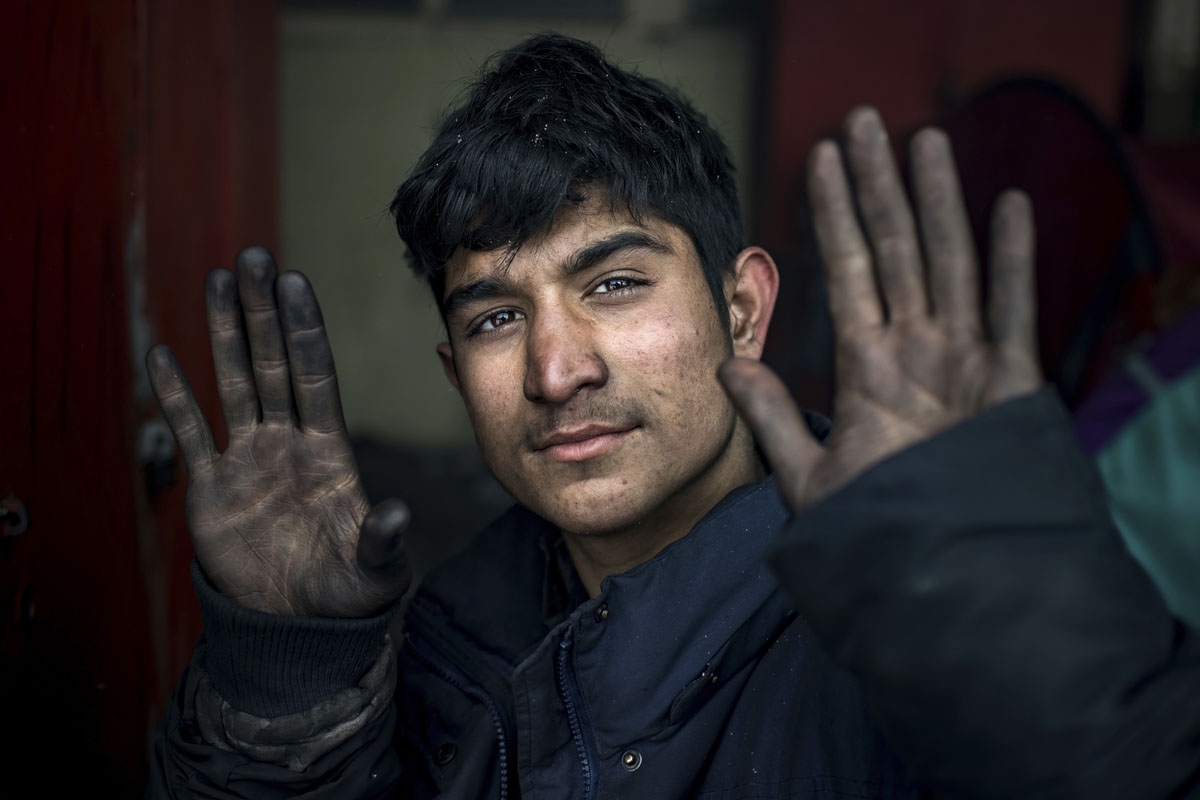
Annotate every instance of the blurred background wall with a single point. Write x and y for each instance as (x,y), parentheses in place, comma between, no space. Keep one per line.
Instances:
(145,141)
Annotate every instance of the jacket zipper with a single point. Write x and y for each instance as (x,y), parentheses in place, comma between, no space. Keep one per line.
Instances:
(569,688)
(471,689)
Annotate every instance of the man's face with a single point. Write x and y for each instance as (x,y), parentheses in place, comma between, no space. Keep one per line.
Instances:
(588,368)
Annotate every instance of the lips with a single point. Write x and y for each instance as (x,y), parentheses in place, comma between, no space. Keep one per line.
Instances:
(580,444)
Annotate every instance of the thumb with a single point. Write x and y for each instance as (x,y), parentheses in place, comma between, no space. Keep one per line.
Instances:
(778,426)
(381,544)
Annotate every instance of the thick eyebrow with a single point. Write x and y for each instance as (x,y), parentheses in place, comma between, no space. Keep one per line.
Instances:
(597,252)
(483,289)
(496,285)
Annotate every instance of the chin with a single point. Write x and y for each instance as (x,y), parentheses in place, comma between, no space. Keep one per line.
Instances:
(593,507)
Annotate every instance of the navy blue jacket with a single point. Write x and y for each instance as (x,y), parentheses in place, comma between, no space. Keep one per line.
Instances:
(973,585)
(688,676)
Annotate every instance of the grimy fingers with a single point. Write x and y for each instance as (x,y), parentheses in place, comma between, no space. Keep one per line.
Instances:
(314,380)
(381,541)
(1012,305)
(764,402)
(953,266)
(887,215)
(231,354)
(256,282)
(853,296)
(181,410)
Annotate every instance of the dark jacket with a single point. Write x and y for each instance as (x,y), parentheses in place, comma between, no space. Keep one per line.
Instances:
(1006,643)
(688,676)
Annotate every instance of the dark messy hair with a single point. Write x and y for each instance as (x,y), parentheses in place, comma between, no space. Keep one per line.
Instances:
(548,121)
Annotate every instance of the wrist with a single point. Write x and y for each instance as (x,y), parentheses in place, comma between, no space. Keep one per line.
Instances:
(270,665)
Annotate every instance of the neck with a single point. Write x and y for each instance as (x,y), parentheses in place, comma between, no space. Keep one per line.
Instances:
(598,555)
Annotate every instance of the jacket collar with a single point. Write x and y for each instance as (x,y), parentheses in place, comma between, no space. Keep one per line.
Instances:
(644,650)
(702,607)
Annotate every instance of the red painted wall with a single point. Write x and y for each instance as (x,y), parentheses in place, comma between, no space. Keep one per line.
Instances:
(913,60)
(910,58)
(137,146)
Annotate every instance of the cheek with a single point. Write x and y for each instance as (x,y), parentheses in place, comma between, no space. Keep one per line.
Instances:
(677,358)
(491,402)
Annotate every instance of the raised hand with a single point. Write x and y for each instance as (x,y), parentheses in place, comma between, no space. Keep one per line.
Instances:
(280,521)
(913,353)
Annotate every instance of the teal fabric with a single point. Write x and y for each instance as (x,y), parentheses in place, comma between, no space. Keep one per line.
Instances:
(1152,472)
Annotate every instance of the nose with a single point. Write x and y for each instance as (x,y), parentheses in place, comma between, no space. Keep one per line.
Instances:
(561,358)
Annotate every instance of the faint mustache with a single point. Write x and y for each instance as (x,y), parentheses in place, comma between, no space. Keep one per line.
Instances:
(621,414)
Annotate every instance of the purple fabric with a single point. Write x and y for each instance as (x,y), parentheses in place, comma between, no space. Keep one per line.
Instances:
(1110,407)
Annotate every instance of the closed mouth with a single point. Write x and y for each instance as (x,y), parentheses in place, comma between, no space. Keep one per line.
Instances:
(580,444)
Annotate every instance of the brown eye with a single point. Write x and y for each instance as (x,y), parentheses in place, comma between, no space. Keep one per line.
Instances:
(497,319)
(610,285)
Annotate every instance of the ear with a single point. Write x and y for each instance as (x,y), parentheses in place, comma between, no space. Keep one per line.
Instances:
(751,292)
(447,357)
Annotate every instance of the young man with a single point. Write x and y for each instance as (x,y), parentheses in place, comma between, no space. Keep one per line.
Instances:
(618,633)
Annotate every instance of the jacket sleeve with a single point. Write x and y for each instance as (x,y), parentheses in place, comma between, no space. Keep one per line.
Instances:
(275,706)
(1006,641)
